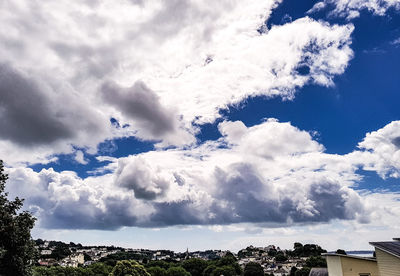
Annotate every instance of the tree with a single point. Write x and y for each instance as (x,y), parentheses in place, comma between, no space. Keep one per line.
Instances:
(341,251)
(209,270)
(158,263)
(231,261)
(129,268)
(317,261)
(280,258)
(195,266)
(305,271)
(99,269)
(253,269)
(226,270)
(156,271)
(177,271)
(17,249)
(293,271)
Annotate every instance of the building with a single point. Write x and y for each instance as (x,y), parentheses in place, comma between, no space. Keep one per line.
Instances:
(45,252)
(319,272)
(347,265)
(388,257)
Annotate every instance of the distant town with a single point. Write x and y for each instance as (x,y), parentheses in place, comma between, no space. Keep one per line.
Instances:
(59,258)
(271,258)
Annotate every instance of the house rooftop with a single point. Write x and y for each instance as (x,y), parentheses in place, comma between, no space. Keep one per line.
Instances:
(319,272)
(391,247)
(350,256)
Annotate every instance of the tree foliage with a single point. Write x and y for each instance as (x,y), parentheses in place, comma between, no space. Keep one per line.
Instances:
(341,251)
(293,271)
(305,271)
(226,270)
(195,266)
(307,250)
(230,260)
(316,261)
(177,271)
(129,268)
(280,258)
(96,269)
(17,249)
(253,269)
(156,271)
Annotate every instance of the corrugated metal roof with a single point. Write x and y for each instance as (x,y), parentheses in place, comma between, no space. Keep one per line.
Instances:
(391,247)
(318,272)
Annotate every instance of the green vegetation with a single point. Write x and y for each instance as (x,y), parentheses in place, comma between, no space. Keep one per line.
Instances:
(177,271)
(17,251)
(316,261)
(97,269)
(195,266)
(307,250)
(253,269)
(129,268)
(341,251)
(305,271)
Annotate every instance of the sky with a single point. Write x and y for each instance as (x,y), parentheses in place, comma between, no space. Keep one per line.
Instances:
(203,124)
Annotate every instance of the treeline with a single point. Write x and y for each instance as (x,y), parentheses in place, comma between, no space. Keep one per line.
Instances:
(227,266)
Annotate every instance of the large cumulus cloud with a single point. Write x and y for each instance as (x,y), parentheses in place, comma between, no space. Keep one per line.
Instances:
(156,66)
(380,151)
(247,176)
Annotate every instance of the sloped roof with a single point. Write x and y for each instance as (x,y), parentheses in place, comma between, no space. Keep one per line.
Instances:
(318,272)
(372,259)
(391,247)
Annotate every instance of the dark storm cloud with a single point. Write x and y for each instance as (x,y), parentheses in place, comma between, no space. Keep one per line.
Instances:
(26,114)
(142,105)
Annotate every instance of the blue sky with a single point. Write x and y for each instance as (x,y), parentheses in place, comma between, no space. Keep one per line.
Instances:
(182,125)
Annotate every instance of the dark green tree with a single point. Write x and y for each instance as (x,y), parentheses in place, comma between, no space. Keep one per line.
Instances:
(341,251)
(293,271)
(305,271)
(17,249)
(226,270)
(156,271)
(177,271)
(253,269)
(272,252)
(163,264)
(209,270)
(316,261)
(195,266)
(129,268)
(230,260)
(280,258)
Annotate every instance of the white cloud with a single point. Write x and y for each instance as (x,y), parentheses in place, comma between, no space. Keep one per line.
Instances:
(41,117)
(396,41)
(193,58)
(80,157)
(381,151)
(351,8)
(272,173)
